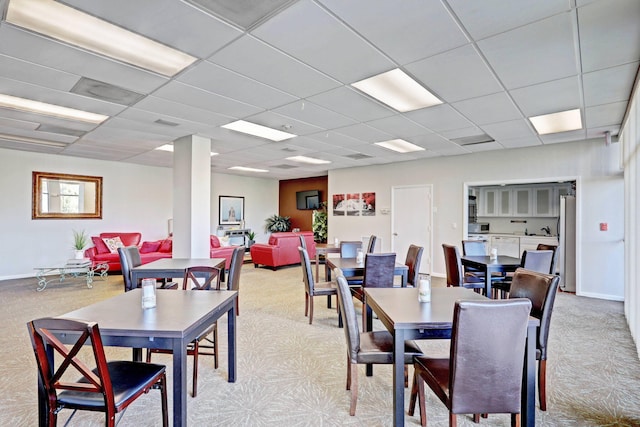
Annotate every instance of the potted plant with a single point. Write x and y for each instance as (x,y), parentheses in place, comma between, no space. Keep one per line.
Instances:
(80,239)
(251,236)
(319,223)
(277,223)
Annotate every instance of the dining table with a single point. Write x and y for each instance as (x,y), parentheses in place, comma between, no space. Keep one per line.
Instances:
(178,318)
(351,267)
(174,267)
(488,265)
(406,318)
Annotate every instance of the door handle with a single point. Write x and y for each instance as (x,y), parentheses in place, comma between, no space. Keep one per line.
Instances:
(395,234)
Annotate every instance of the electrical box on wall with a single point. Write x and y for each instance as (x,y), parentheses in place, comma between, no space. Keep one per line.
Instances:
(385,211)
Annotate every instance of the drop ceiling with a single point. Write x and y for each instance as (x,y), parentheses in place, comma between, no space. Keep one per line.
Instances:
(290,65)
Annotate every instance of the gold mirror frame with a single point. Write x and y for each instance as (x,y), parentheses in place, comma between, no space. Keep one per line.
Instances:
(89,190)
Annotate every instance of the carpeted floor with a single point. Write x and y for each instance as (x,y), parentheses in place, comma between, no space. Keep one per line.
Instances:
(291,373)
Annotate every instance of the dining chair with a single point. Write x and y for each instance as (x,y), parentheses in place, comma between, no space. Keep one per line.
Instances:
(540,289)
(102,386)
(483,373)
(378,273)
(371,246)
(233,278)
(412,261)
(311,288)
(129,258)
(477,248)
(199,278)
(455,274)
(539,261)
(365,347)
(349,249)
(554,248)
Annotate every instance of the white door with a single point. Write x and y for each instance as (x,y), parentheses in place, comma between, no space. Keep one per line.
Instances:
(411,221)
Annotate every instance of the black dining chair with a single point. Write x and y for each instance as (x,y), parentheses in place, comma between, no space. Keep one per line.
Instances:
(311,288)
(129,258)
(349,249)
(455,273)
(412,261)
(102,386)
(477,248)
(539,261)
(378,273)
(233,278)
(483,373)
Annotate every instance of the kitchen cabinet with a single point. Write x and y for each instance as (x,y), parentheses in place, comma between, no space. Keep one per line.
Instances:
(535,200)
(530,243)
(505,204)
(506,245)
(544,202)
(488,202)
(522,201)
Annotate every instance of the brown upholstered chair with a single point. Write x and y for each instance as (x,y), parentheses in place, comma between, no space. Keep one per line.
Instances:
(539,261)
(371,246)
(129,258)
(554,248)
(366,347)
(414,256)
(483,373)
(455,274)
(199,278)
(108,387)
(233,278)
(541,290)
(378,273)
(311,288)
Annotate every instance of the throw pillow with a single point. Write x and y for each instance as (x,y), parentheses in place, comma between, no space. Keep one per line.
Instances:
(148,247)
(224,241)
(101,248)
(166,246)
(113,243)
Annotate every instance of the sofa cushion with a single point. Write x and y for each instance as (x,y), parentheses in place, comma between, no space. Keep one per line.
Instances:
(166,246)
(148,247)
(214,241)
(113,243)
(101,248)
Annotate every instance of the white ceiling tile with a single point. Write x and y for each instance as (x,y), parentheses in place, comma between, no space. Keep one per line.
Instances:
(532,54)
(351,103)
(287,124)
(33,133)
(486,146)
(364,133)
(402,37)
(398,125)
(309,33)
(549,97)
(253,58)
(609,85)
(491,17)
(509,130)
(439,118)
(455,75)
(527,141)
(311,113)
(27,72)
(604,115)
(175,109)
(216,79)
(555,138)
(606,28)
(488,109)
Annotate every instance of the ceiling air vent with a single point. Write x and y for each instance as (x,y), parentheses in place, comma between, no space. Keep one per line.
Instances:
(358,156)
(289,150)
(285,166)
(106,92)
(166,122)
(473,140)
(60,130)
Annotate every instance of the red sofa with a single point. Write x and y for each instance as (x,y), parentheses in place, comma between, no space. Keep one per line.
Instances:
(149,251)
(282,249)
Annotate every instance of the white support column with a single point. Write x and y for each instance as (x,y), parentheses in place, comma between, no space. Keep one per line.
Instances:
(191,197)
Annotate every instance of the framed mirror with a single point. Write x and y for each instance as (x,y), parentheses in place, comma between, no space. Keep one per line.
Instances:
(65,196)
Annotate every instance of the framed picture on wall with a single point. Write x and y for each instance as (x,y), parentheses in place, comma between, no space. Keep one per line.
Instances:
(231,210)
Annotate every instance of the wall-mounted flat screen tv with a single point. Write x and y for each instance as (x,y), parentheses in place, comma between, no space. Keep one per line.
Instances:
(308,199)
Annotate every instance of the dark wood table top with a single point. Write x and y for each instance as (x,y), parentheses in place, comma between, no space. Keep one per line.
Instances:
(350,264)
(485,260)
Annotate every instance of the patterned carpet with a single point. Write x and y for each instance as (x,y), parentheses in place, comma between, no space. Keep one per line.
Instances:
(291,373)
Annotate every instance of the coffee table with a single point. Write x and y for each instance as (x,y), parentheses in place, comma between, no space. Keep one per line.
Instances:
(73,269)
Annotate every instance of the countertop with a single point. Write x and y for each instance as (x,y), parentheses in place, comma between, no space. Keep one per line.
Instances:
(493,233)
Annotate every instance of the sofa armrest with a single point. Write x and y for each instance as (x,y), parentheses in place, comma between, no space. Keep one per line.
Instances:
(90,253)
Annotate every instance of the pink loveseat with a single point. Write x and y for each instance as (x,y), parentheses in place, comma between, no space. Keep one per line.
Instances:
(282,249)
(149,251)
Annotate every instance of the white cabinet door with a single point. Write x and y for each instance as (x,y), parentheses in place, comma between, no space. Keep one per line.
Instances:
(504,202)
(522,201)
(543,201)
(488,202)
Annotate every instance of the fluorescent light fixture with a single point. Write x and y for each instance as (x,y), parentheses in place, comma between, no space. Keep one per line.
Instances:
(72,26)
(310,160)
(397,90)
(244,169)
(169,147)
(30,106)
(32,141)
(258,130)
(557,122)
(399,145)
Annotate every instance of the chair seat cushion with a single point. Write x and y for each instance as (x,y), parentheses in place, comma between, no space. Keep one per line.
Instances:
(127,378)
(377,347)
(325,288)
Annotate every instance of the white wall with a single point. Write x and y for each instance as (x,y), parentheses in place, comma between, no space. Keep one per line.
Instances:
(591,163)
(135,198)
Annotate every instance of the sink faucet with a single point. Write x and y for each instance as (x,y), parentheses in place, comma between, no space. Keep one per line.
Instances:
(546,229)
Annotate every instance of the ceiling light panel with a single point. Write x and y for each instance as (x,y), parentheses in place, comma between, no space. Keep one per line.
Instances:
(245,169)
(557,122)
(31,106)
(399,145)
(397,90)
(258,130)
(309,160)
(80,29)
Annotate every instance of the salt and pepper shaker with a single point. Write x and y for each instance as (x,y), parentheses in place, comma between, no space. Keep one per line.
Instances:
(424,289)
(494,254)
(148,293)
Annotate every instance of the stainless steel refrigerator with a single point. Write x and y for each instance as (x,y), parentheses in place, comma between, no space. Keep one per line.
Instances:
(567,238)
